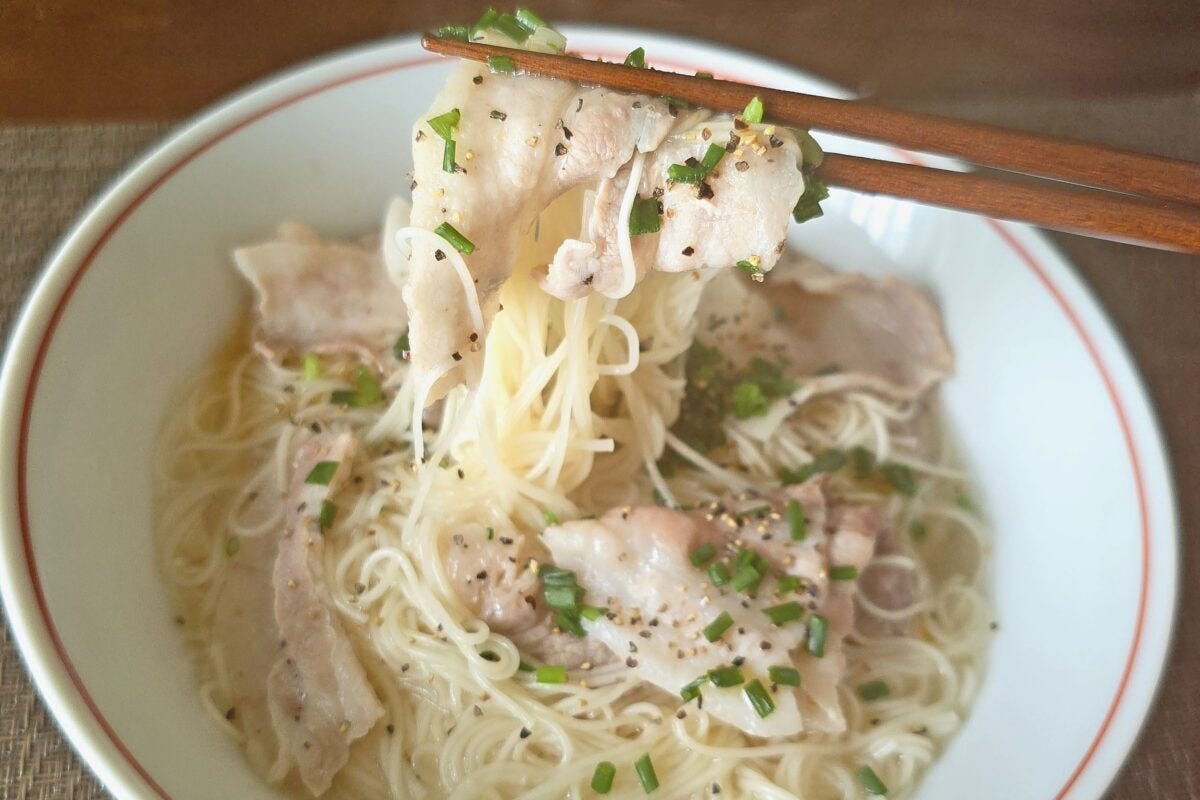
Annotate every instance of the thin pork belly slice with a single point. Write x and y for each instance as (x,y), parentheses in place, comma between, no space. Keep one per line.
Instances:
(738,213)
(323,297)
(884,335)
(520,142)
(493,576)
(638,564)
(319,697)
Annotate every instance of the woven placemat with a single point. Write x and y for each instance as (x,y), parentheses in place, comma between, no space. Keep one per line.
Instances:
(47,175)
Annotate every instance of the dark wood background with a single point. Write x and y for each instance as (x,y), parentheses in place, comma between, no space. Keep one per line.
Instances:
(1125,73)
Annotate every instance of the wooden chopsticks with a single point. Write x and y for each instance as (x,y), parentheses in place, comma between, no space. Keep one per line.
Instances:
(1155,201)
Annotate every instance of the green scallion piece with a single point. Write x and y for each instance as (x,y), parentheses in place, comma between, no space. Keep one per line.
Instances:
(747,579)
(918,531)
(809,205)
(818,628)
(788,583)
(322,473)
(369,392)
(811,154)
(784,612)
(343,397)
(703,74)
(563,598)
(702,554)
(870,781)
(843,572)
(529,20)
(863,461)
(716,629)
(591,613)
(449,149)
(328,514)
(830,460)
(636,58)
(724,677)
(645,772)
(459,32)
(797,522)
(749,400)
(686,173)
(461,243)
(873,690)
(444,124)
(522,666)
(402,349)
(753,113)
(712,157)
(602,778)
(900,477)
(484,22)
(232,545)
(312,367)
(501,64)
(500,115)
(718,574)
(748,267)
(570,624)
(692,690)
(550,674)
(965,503)
(644,216)
(550,517)
(555,576)
(760,698)
(510,27)
(784,676)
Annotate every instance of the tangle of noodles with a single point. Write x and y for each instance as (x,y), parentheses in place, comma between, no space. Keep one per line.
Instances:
(571,415)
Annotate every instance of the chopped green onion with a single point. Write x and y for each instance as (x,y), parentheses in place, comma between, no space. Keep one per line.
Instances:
(964,502)
(692,690)
(809,205)
(712,157)
(343,397)
(870,781)
(784,612)
(678,102)
(563,598)
(328,514)
(830,460)
(449,147)
(636,58)
(724,677)
(784,676)
(873,690)
(501,64)
(524,667)
(550,674)
(747,579)
(402,349)
(702,554)
(322,473)
(312,367)
(510,27)
(644,216)
(753,113)
(368,392)
(555,576)
(529,20)
(461,243)
(550,517)
(570,624)
(459,32)
(232,545)
(686,173)
(749,400)
(748,268)
(759,698)
(703,74)
(811,154)
(797,522)
(645,772)
(485,21)
(500,115)
(900,477)
(716,629)
(843,572)
(718,574)
(788,583)
(863,461)
(602,778)
(591,613)
(444,124)
(918,531)
(818,628)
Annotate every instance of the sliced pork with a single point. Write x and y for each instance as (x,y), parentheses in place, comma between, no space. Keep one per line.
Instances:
(323,297)
(638,563)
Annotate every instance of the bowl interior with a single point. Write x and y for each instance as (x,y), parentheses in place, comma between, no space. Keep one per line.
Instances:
(1046,404)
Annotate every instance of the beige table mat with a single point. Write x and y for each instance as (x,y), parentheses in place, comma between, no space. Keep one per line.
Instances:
(47,174)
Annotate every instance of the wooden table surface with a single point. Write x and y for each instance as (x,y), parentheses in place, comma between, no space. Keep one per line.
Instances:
(1126,73)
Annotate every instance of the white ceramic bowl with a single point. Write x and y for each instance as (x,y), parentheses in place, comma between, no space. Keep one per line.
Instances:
(1048,406)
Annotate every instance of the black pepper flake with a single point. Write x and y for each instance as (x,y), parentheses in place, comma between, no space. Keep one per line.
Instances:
(315,427)
(735,141)
(231,714)
(477,711)
(631,662)
(359,588)
(500,115)
(703,190)
(420,135)
(765,645)
(478,79)
(716,789)
(560,149)
(632,647)
(179,621)
(740,123)
(739,660)
(775,141)
(412,187)
(531,600)
(672,110)
(579,107)
(644,634)
(875,721)
(457,539)
(687,251)
(994,626)
(657,195)
(567,133)
(654,622)
(505,540)
(405,667)
(474,337)
(742,631)
(742,166)
(461,474)
(438,255)
(525,733)
(681,714)
(481,575)
(636,103)
(390,729)
(457,356)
